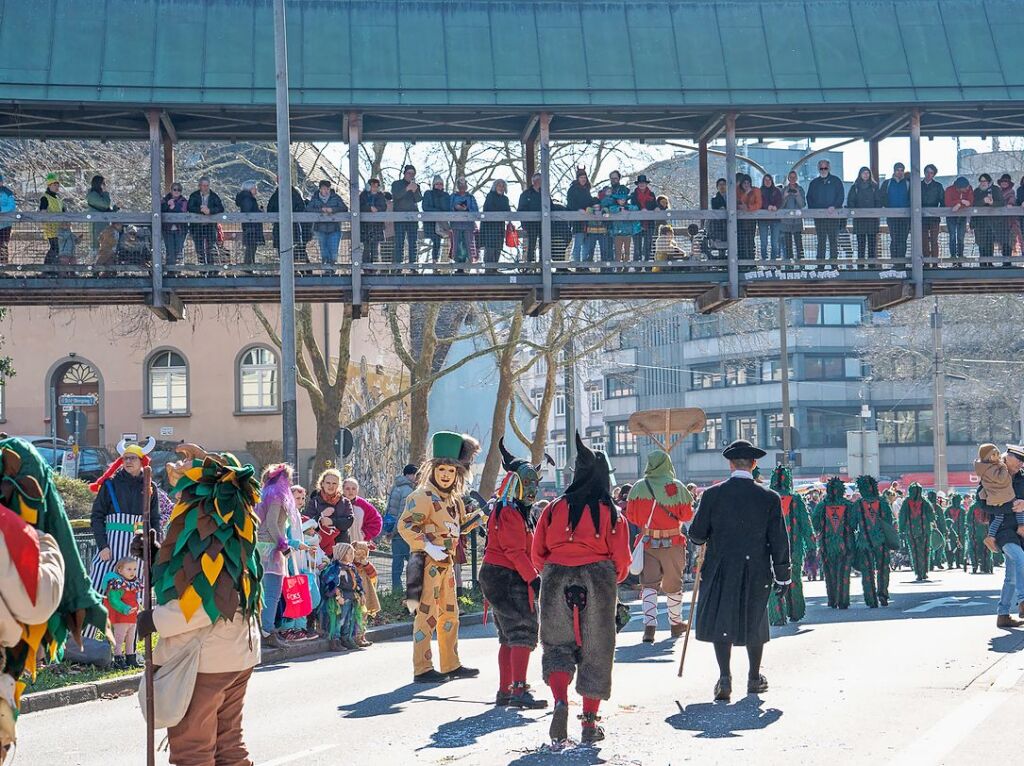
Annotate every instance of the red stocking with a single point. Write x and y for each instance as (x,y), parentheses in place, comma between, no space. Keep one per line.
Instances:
(590,705)
(558,680)
(520,661)
(504,669)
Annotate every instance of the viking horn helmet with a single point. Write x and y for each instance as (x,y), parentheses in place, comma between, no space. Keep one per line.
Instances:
(146,448)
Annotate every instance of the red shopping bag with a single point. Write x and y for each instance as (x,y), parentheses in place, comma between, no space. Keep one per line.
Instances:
(511,235)
(297,599)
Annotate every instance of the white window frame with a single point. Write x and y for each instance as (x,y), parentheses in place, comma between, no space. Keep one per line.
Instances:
(560,404)
(267,373)
(596,400)
(165,375)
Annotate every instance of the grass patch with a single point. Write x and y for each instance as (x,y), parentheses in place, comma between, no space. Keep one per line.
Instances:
(60,674)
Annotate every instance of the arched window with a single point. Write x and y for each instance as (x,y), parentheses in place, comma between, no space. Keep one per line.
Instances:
(257,380)
(168,384)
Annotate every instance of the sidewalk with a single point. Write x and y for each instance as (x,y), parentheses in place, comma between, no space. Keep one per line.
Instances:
(119,687)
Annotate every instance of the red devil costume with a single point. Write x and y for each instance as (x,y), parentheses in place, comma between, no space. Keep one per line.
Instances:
(582,548)
(510,581)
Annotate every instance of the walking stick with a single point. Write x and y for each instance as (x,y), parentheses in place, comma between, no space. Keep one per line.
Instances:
(693,602)
(147,563)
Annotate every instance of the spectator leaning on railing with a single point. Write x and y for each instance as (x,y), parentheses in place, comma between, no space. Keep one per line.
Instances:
(865,194)
(8,204)
(463,232)
(98,199)
(580,198)
(1010,228)
(643,198)
(51,202)
(895,192)
(530,202)
(252,233)
(768,228)
(437,200)
(492,233)
(406,196)
(932,195)
(371,233)
(204,201)
(327,233)
(986,227)
(792,226)
(174,233)
(826,193)
(957,197)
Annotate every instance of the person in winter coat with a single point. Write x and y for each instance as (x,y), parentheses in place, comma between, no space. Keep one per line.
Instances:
(463,232)
(895,192)
(748,199)
(1009,228)
(643,198)
(51,202)
(327,233)
(826,193)
(371,233)
(932,195)
(252,233)
(405,198)
(580,197)
(958,196)
(397,497)
(621,232)
(986,228)
(492,233)
(8,204)
(792,226)
(279,533)
(174,233)
(437,200)
(865,194)
(717,228)
(747,553)
(367,522)
(301,232)
(98,199)
(204,201)
(768,228)
(530,202)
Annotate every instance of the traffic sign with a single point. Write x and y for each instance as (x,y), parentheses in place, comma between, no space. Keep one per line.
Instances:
(343,443)
(78,400)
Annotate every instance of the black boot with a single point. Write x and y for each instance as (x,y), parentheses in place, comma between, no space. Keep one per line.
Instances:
(757,685)
(118,663)
(430,677)
(559,729)
(463,672)
(522,699)
(723,689)
(131,661)
(591,731)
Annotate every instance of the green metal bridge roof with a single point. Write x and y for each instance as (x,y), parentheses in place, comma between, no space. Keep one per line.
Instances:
(433,68)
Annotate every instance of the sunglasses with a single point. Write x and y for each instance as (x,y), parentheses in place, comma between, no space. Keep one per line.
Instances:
(822,167)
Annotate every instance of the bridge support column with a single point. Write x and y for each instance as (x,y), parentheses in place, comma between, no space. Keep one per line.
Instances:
(168,160)
(355,129)
(916,225)
(156,201)
(545,208)
(732,233)
(702,172)
(873,157)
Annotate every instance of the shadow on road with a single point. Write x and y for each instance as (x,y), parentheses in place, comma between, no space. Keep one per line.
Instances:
(905,606)
(659,652)
(717,721)
(391,702)
(463,732)
(570,756)
(1012,641)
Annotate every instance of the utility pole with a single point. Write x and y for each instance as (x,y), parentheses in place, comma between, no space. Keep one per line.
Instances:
(787,434)
(570,411)
(289,417)
(939,408)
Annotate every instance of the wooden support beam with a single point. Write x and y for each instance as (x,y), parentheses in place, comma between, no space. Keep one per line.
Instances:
(711,129)
(165,121)
(156,203)
(702,173)
(715,299)
(891,296)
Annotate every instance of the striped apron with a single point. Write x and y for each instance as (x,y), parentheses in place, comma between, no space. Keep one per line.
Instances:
(121,528)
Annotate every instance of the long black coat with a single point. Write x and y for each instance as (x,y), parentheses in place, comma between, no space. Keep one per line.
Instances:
(128,490)
(747,548)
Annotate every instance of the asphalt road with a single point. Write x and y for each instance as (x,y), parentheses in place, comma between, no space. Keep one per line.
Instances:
(928,680)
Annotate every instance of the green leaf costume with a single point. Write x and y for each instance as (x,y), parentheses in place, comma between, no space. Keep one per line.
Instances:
(937,543)
(835,521)
(917,521)
(209,559)
(801,538)
(27,489)
(877,535)
(956,532)
(977,528)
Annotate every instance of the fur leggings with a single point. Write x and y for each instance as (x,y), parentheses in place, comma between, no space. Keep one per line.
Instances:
(593,660)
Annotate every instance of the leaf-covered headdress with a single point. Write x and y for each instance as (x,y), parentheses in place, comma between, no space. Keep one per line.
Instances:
(867,486)
(835,489)
(782,479)
(208,559)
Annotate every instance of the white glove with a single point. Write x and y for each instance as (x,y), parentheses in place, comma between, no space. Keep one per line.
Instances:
(453,528)
(436,552)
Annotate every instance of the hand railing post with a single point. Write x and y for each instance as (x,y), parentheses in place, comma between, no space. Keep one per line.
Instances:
(156,198)
(916,224)
(732,233)
(545,207)
(355,124)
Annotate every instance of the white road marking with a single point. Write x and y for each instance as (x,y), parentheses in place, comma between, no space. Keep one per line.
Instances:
(298,756)
(939,603)
(951,730)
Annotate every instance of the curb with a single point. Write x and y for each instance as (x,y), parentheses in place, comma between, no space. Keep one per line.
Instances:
(73,695)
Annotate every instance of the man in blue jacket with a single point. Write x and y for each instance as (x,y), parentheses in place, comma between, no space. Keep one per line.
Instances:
(826,192)
(895,192)
(403,487)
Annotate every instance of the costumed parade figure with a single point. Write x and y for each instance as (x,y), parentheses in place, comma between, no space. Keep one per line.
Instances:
(937,541)
(956,532)
(659,505)
(279,533)
(581,546)
(509,580)
(835,524)
(45,595)
(117,510)
(433,522)
(341,590)
(800,533)
(370,604)
(977,529)
(877,537)
(206,581)
(917,519)
(747,553)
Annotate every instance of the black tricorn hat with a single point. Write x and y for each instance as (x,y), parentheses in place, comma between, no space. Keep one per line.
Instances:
(641,179)
(741,449)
